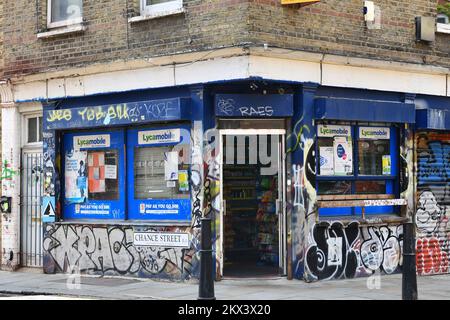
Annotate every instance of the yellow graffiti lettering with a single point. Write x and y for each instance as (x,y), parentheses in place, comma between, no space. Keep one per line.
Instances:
(58,115)
(90,114)
(100,114)
(82,112)
(112,112)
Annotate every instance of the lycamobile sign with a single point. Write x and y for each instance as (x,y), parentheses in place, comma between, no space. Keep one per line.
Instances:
(159,136)
(333,130)
(93,141)
(374,133)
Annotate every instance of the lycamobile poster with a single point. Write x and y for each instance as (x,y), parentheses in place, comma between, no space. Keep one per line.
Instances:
(76,189)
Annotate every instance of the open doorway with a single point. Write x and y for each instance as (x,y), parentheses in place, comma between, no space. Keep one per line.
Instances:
(252,194)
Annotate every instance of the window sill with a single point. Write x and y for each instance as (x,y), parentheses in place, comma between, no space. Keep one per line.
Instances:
(123,222)
(369,220)
(156,15)
(62,31)
(443,28)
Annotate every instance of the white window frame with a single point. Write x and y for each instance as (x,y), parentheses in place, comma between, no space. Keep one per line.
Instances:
(64,23)
(160,8)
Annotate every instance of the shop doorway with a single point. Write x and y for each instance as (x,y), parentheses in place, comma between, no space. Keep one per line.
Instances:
(253,213)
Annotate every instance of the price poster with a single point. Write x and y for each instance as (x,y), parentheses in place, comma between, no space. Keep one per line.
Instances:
(76,187)
(342,153)
(326,161)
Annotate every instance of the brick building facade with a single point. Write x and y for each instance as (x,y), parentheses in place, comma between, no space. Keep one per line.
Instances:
(211,52)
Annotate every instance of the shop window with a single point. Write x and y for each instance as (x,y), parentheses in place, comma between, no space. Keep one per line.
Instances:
(158,170)
(64,12)
(374,155)
(34,129)
(370,187)
(102,175)
(354,159)
(334,187)
(156,174)
(94,175)
(156,7)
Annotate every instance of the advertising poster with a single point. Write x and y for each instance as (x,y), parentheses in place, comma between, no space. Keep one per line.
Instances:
(183,183)
(96,172)
(326,161)
(171,165)
(386,164)
(342,153)
(76,177)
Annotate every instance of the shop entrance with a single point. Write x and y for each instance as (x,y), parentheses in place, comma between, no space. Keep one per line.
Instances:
(253,215)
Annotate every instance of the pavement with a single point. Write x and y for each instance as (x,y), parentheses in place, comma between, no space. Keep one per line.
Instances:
(36,285)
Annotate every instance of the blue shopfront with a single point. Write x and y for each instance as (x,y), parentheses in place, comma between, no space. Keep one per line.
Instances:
(118,172)
(351,182)
(301,180)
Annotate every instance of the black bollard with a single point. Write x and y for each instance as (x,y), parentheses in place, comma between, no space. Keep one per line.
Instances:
(206,284)
(409,277)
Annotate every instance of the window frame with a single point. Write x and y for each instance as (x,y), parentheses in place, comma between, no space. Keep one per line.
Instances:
(27,118)
(392,180)
(64,23)
(160,8)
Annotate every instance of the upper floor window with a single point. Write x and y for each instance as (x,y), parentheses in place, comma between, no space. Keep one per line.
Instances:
(34,129)
(155,7)
(64,12)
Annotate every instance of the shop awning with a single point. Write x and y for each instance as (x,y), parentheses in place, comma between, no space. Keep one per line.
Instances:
(364,110)
(436,119)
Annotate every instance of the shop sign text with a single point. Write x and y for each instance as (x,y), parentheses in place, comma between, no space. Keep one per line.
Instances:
(333,130)
(92,141)
(159,136)
(160,239)
(374,133)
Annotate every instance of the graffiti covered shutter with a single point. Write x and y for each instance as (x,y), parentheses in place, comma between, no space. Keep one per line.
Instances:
(433,202)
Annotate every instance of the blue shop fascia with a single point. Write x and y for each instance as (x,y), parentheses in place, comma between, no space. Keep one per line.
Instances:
(297,179)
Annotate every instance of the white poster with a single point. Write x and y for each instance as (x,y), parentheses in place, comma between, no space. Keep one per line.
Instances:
(76,190)
(110,171)
(326,161)
(342,153)
(334,251)
(171,165)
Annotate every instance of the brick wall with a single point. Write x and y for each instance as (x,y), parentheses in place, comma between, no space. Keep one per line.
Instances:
(109,36)
(331,26)
(338,27)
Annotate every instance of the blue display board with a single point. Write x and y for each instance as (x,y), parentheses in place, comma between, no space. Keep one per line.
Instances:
(254,105)
(155,208)
(77,204)
(117,114)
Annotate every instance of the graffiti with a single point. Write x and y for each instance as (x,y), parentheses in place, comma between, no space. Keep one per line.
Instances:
(110,250)
(58,115)
(430,256)
(337,251)
(331,255)
(226,106)
(381,248)
(167,109)
(7,172)
(432,209)
(119,111)
(430,215)
(298,185)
